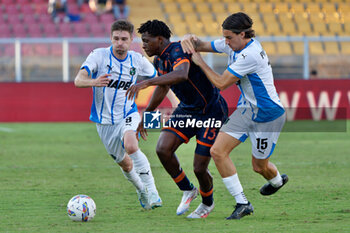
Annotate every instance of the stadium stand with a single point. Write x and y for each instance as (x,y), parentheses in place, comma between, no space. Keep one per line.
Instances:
(271,17)
(30,19)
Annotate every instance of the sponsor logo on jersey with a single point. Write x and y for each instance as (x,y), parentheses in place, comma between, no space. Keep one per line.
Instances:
(128,121)
(132,71)
(119,85)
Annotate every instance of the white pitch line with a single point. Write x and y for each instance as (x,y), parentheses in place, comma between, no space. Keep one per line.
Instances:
(7,130)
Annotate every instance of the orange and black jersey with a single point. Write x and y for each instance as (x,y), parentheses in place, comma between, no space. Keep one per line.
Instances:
(197,93)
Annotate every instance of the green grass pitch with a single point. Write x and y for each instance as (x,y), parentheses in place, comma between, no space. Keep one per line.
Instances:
(42,165)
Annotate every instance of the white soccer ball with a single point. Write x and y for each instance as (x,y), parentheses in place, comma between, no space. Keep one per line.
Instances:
(81,208)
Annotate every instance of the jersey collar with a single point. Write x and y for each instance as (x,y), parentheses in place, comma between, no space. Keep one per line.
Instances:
(127,55)
(165,49)
(251,41)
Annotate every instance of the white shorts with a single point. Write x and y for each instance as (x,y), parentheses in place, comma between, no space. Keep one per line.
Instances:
(112,135)
(263,135)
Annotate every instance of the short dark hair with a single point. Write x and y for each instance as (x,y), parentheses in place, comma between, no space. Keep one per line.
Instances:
(239,22)
(122,25)
(155,28)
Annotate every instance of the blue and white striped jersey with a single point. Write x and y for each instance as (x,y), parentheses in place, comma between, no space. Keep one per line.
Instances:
(110,105)
(251,65)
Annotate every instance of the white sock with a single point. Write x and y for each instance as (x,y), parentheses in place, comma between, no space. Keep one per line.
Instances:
(276,181)
(134,178)
(143,169)
(234,186)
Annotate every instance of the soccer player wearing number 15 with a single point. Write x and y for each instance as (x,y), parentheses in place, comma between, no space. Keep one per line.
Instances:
(113,70)
(259,114)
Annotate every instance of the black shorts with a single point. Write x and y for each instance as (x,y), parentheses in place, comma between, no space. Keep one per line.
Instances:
(185,124)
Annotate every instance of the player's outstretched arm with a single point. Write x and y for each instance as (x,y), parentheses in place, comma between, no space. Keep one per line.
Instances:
(82,80)
(190,43)
(135,89)
(158,95)
(179,74)
(220,81)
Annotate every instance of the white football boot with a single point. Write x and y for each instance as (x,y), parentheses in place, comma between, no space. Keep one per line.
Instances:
(187,198)
(202,211)
(144,198)
(155,200)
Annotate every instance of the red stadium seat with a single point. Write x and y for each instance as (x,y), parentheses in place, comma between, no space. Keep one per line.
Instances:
(65,30)
(29,19)
(80,30)
(97,30)
(90,18)
(41,49)
(11,9)
(5,31)
(39,1)
(19,30)
(40,8)
(107,18)
(87,48)
(28,50)
(13,19)
(9,51)
(2,19)
(44,19)
(50,30)
(23,2)
(56,50)
(7,2)
(74,49)
(27,9)
(34,30)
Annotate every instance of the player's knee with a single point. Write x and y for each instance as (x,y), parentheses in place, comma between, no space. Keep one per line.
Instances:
(199,170)
(162,151)
(259,166)
(126,164)
(258,169)
(127,167)
(216,154)
(130,148)
(200,166)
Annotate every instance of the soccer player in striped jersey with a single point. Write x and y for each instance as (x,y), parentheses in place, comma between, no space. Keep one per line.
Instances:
(259,114)
(110,72)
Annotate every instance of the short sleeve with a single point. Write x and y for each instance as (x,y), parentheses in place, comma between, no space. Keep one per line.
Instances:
(244,64)
(178,57)
(91,62)
(220,46)
(147,69)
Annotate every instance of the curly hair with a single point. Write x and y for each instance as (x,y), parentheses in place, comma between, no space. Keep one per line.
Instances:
(155,28)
